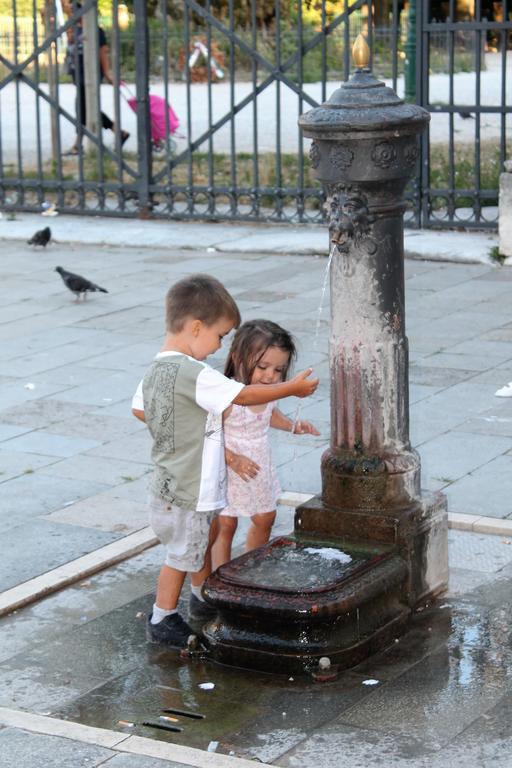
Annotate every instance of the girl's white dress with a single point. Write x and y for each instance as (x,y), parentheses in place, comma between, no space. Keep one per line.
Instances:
(246,433)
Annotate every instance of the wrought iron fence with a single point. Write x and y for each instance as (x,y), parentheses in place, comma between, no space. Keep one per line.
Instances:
(237,77)
(471,104)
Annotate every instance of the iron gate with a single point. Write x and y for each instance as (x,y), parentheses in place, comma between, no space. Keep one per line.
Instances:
(237,76)
(470,133)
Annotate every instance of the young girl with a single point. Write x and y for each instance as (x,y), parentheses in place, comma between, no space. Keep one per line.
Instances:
(261,353)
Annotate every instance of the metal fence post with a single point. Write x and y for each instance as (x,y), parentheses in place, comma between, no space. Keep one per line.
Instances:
(410,54)
(49,13)
(91,74)
(422,99)
(143,117)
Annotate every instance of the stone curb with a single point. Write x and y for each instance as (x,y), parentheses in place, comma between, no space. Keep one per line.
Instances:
(119,742)
(303,239)
(84,566)
(137,542)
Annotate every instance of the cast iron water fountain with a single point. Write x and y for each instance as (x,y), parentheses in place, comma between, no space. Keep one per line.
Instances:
(372,547)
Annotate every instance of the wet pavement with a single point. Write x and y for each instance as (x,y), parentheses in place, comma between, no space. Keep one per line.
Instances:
(442,696)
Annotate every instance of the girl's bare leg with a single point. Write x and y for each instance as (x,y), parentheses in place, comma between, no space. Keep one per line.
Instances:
(221,550)
(259,530)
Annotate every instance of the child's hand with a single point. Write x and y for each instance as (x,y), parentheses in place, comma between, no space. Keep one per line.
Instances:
(304,428)
(303,387)
(244,467)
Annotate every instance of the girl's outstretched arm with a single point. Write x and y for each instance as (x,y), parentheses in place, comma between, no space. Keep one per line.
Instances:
(258,394)
(300,427)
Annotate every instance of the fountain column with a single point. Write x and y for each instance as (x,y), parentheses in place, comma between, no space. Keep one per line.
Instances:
(364,151)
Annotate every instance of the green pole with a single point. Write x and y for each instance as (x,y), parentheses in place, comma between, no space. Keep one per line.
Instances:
(410,54)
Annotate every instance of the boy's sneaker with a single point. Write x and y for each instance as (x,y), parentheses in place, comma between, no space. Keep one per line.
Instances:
(199,610)
(172,631)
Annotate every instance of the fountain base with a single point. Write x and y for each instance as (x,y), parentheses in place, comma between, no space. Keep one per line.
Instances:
(298,598)
(266,622)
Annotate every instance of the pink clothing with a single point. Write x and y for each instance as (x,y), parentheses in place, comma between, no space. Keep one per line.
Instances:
(246,433)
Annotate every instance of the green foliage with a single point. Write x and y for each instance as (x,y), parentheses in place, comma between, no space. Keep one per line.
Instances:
(495,254)
(465,168)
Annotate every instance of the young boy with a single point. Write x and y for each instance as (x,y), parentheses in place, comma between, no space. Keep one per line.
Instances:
(181,399)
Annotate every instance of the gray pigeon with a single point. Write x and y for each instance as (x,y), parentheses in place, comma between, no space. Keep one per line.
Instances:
(78,284)
(41,237)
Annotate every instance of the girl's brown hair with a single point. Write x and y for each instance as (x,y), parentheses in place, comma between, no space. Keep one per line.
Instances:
(251,341)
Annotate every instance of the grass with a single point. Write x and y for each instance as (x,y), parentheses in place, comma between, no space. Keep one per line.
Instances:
(465,176)
(495,255)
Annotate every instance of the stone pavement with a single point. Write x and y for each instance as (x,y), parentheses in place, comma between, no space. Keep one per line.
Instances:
(73,459)
(73,464)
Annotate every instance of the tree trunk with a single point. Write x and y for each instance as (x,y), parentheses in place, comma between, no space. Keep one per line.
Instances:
(381,12)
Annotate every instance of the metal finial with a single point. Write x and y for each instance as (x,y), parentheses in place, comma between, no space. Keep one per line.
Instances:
(361,52)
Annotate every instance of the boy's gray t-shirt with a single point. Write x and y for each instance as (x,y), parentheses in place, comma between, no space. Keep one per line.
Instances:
(183,400)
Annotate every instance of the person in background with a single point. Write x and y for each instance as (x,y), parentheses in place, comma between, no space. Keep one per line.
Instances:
(75,68)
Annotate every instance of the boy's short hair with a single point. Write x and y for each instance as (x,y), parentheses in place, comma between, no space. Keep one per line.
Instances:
(201,297)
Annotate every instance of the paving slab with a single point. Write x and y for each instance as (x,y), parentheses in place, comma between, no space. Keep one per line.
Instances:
(487,490)
(488,554)
(121,515)
(111,472)
(46,545)
(22,748)
(33,494)
(48,444)
(41,412)
(455,454)
(16,463)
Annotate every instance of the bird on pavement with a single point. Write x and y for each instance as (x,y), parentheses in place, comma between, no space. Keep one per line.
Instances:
(41,237)
(77,284)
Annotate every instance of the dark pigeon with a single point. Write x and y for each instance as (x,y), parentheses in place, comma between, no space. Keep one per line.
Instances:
(41,237)
(77,284)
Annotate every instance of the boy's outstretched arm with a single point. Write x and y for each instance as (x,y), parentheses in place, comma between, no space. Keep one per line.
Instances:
(258,394)
(138,414)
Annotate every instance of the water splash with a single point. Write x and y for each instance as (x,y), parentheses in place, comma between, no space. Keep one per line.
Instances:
(329,553)
(295,421)
(324,288)
(296,417)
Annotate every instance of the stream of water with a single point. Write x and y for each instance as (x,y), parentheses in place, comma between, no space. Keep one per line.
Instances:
(324,288)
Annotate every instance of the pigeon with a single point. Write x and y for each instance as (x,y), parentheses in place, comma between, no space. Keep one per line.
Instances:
(465,115)
(41,237)
(78,284)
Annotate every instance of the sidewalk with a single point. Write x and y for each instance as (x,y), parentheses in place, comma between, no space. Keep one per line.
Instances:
(72,485)
(73,458)
(464,247)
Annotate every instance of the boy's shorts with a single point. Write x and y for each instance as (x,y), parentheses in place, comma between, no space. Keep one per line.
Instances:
(183,532)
